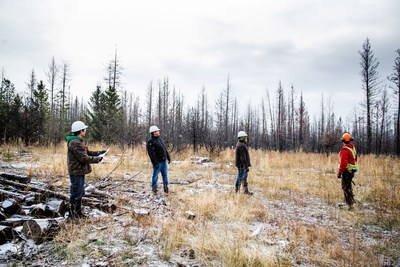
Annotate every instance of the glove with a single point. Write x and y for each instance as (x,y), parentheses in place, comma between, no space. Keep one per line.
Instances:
(169,161)
(100,159)
(339,175)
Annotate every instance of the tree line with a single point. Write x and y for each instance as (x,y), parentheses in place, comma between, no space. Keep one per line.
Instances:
(43,113)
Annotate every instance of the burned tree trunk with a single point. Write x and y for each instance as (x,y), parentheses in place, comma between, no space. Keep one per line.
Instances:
(38,211)
(4,194)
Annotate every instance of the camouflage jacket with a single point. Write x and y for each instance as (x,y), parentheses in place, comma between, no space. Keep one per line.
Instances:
(79,158)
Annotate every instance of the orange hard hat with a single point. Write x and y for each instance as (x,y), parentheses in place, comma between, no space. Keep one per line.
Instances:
(346,137)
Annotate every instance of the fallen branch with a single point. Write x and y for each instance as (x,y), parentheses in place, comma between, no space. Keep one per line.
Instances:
(185,182)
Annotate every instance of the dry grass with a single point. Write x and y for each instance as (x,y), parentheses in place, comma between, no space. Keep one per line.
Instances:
(295,204)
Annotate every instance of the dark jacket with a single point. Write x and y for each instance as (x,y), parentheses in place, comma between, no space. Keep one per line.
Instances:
(79,158)
(157,150)
(242,156)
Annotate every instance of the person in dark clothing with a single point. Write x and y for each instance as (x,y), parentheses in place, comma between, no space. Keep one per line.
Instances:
(159,156)
(347,168)
(79,159)
(242,163)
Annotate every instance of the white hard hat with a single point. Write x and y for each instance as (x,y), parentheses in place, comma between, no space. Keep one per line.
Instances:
(77,126)
(242,134)
(153,129)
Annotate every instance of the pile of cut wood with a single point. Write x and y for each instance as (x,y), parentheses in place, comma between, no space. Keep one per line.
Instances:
(33,210)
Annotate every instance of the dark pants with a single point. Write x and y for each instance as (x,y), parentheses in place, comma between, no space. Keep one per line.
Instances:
(242,178)
(77,191)
(347,187)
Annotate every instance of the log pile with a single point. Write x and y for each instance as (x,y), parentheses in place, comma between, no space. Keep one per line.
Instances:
(35,211)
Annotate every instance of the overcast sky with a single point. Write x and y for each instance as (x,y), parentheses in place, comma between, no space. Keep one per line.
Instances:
(310,44)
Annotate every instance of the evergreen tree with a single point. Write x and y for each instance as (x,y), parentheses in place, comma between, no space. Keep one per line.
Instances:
(7,94)
(16,119)
(40,112)
(96,115)
(113,116)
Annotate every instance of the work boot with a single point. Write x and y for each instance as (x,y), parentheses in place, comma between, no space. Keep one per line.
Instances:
(73,214)
(154,191)
(79,212)
(166,190)
(236,189)
(247,192)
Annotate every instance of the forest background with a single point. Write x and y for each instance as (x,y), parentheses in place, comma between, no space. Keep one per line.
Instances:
(42,113)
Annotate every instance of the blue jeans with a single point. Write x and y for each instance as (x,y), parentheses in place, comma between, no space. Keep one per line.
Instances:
(163,168)
(242,177)
(77,189)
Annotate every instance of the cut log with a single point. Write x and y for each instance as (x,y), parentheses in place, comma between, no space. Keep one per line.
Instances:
(91,189)
(40,230)
(56,208)
(4,194)
(15,220)
(7,234)
(34,198)
(38,211)
(101,205)
(2,216)
(15,177)
(11,206)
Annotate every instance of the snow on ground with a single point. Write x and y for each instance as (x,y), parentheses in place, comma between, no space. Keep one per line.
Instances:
(287,217)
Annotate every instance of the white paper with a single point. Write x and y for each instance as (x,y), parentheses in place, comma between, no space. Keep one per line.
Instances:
(102,155)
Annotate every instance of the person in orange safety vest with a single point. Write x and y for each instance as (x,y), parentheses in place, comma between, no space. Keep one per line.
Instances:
(347,168)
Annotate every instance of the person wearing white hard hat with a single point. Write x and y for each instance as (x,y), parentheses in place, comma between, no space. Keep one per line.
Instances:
(159,156)
(79,159)
(242,159)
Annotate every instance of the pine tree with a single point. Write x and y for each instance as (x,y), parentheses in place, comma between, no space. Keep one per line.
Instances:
(40,112)
(7,94)
(97,115)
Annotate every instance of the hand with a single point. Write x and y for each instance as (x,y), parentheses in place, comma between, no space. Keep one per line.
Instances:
(100,159)
(156,166)
(102,151)
(247,169)
(339,175)
(169,161)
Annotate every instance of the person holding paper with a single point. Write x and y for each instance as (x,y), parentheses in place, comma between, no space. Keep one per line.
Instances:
(79,159)
(159,156)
